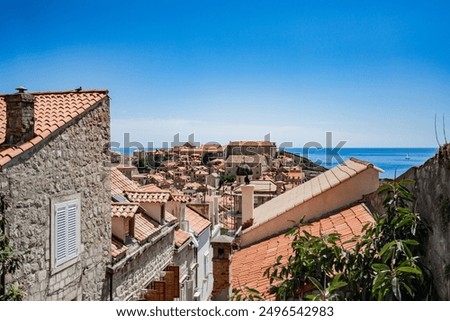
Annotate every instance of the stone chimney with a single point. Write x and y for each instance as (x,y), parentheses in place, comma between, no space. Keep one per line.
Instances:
(184,224)
(216,209)
(280,187)
(19,117)
(248,201)
(182,215)
(222,247)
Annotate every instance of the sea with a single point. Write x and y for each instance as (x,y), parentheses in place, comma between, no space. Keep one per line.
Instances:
(393,161)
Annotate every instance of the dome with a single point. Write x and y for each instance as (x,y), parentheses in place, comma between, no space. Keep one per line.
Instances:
(244,170)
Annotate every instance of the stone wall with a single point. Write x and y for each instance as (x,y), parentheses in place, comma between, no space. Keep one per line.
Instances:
(142,266)
(71,161)
(432,192)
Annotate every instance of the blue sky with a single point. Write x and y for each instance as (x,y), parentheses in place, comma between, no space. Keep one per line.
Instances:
(374,73)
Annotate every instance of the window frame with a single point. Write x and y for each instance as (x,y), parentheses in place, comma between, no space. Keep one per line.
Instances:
(69,259)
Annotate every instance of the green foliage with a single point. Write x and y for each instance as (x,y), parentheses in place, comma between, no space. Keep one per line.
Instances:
(226,178)
(384,264)
(329,293)
(143,163)
(246,294)
(9,260)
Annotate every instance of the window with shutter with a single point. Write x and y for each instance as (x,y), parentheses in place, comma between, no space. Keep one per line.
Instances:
(66,233)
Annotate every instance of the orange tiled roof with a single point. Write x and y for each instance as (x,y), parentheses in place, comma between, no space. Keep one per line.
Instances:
(146,197)
(181,198)
(124,209)
(144,226)
(52,110)
(157,177)
(150,188)
(181,237)
(306,191)
(117,248)
(248,264)
(121,183)
(170,218)
(197,223)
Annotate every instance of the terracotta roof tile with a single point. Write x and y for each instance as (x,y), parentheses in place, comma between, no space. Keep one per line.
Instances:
(197,223)
(13,151)
(181,198)
(307,190)
(26,146)
(181,237)
(146,197)
(117,248)
(248,264)
(124,209)
(4,160)
(170,218)
(51,110)
(150,188)
(144,227)
(121,183)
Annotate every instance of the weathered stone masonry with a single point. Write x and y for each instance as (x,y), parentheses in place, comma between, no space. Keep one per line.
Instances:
(142,266)
(432,191)
(72,160)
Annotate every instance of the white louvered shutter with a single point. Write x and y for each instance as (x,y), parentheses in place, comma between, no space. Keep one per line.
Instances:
(72,244)
(66,231)
(60,234)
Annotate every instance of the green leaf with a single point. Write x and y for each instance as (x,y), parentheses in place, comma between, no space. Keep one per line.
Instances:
(408,289)
(387,247)
(316,283)
(336,284)
(409,269)
(396,288)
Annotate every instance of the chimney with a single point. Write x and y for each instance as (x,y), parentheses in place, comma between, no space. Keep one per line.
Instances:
(280,187)
(185,226)
(19,117)
(216,209)
(182,215)
(248,200)
(222,255)
(211,212)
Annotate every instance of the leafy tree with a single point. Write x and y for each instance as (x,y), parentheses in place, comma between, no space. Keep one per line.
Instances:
(384,263)
(227,178)
(142,163)
(9,260)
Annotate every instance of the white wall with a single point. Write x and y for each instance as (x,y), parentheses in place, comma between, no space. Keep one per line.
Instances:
(204,257)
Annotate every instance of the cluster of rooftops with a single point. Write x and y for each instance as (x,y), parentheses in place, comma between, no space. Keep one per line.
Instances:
(332,201)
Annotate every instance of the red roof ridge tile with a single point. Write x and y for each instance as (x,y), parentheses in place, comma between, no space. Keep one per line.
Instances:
(83,91)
